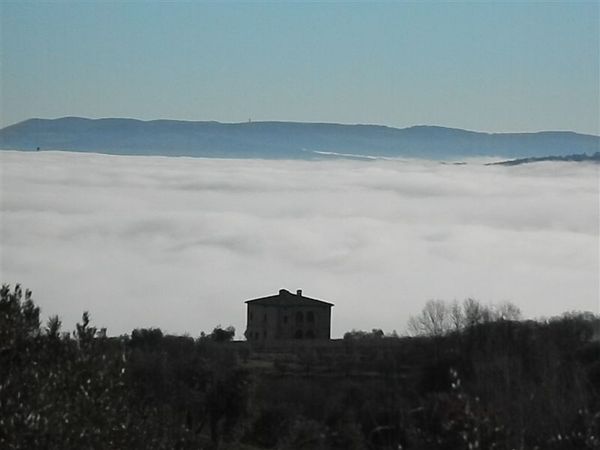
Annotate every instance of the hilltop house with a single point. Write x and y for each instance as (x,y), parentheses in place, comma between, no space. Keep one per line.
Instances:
(287,316)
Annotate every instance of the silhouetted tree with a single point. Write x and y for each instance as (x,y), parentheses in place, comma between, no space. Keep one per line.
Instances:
(375,333)
(222,335)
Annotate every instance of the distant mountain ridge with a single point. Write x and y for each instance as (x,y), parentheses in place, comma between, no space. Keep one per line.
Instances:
(595,158)
(277,140)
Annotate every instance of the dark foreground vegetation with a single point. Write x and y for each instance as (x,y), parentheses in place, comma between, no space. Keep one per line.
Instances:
(493,383)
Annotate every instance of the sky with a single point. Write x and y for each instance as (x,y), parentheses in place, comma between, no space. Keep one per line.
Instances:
(180,243)
(487,66)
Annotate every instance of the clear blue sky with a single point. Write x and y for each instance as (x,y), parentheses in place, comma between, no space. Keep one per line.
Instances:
(482,66)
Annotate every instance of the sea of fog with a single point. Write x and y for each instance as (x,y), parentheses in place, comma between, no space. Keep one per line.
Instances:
(180,243)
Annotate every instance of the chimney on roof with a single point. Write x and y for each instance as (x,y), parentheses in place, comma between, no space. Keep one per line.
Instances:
(299,292)
(283,291)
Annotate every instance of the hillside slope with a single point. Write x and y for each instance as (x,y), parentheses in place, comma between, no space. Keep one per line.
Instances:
(281,139)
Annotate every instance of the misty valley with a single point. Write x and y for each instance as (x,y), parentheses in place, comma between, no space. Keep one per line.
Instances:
(479,274)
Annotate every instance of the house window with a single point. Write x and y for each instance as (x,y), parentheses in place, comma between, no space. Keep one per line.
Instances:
(298,334)
(310,317)
(299,317)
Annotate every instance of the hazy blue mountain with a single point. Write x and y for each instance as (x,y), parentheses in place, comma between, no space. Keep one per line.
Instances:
(282,139)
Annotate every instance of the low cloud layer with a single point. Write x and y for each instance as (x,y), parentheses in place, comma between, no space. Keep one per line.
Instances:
(180,243)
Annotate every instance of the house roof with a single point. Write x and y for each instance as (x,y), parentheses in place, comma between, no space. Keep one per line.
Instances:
(286,298)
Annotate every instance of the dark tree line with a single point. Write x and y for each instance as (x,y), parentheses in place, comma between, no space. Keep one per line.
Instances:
(438,317)
(489,382)
(84,390)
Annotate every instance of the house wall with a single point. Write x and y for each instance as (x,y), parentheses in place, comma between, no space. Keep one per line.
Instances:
(287,322)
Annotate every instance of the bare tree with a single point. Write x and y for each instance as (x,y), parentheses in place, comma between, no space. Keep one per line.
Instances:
(432,321)
(438,318)
(508,311)
(474,312)
(457,317)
